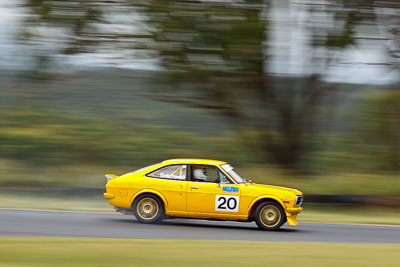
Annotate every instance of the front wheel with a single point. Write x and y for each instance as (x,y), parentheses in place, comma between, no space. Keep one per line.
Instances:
(269,216)
(148,209)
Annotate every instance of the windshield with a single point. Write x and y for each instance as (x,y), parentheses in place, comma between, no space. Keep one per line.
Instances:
(232,173)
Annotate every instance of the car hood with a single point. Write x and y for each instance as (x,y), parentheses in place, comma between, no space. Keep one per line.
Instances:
(271,189)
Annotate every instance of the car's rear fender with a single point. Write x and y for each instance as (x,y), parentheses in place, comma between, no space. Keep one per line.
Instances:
(258,200)
(150,191)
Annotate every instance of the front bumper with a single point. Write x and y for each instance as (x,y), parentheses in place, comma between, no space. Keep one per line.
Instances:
(294,211)
(291,214)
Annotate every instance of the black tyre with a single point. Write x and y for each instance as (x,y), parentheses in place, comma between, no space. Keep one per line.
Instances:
(148,208)
(269,216)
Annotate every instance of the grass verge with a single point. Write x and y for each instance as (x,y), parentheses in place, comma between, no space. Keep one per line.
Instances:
(124,252)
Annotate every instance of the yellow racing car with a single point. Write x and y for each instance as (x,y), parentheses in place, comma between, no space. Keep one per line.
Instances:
(201,189)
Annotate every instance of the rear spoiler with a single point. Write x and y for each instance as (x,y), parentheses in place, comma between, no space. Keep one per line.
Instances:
(110,176)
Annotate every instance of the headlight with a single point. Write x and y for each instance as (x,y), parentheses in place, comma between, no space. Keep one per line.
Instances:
(299,201)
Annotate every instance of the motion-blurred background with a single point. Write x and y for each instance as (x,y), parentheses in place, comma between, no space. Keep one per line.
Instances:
(297,93)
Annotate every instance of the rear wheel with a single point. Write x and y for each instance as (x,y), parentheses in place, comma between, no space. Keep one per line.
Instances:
(148,208)
(269,216)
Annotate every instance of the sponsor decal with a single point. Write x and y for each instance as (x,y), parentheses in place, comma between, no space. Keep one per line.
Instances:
(232,189)
(171,176)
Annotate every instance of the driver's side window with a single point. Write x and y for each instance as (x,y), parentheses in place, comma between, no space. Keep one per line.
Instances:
(208,174)
(223,179)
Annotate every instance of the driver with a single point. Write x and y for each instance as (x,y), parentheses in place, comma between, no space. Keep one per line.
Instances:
(200,175)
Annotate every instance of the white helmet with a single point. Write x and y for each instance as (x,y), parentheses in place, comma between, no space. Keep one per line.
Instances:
(200,174)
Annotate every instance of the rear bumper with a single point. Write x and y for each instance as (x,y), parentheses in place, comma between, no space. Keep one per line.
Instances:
(108,195)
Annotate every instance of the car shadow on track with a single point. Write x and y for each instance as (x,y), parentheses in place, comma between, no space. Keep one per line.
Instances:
(205,224)
(216,226)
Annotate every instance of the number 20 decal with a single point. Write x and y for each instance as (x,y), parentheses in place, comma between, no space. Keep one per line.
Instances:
(227,203)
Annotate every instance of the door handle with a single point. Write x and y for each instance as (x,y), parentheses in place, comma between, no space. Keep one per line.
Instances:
(194,187)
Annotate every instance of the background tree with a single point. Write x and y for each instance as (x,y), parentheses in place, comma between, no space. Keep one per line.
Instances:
(217,55)
(214,55)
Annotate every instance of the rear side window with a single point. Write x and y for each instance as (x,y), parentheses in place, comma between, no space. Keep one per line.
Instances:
(172,172)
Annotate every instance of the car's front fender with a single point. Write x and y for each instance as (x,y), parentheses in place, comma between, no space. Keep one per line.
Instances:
(266,197)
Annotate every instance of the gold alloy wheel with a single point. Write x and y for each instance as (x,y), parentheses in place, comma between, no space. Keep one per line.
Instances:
(147,208)
(270,216)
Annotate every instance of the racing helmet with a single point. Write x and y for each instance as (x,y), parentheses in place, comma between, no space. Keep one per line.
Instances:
(200,174)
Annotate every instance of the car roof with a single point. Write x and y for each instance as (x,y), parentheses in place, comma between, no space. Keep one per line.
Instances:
(194,161)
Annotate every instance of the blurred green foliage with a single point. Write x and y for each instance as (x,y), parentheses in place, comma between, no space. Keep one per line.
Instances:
(379,128)
(43,146)
(39,136)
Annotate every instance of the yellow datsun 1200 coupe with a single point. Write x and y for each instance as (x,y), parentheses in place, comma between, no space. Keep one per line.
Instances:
(201,188)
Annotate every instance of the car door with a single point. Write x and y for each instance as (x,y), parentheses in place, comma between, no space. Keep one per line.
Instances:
(210,193)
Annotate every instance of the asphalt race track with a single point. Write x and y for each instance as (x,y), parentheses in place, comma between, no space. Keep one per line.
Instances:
(91,224)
